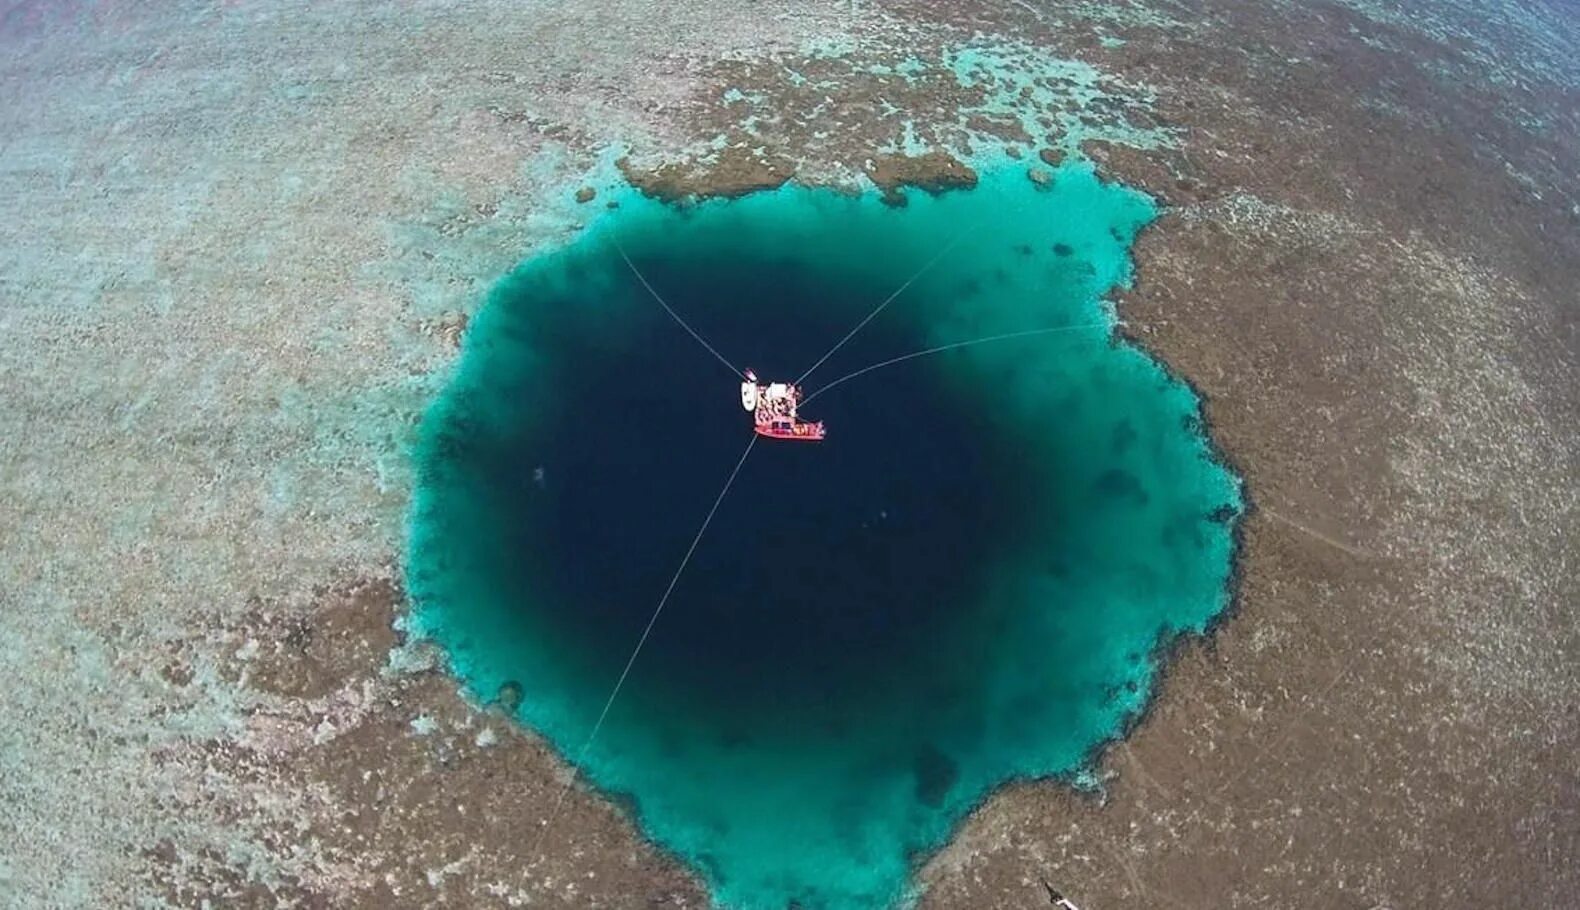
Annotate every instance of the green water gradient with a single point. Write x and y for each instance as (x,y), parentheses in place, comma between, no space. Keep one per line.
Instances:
(1103,524)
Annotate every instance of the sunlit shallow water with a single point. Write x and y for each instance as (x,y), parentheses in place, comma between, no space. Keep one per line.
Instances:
(966,584)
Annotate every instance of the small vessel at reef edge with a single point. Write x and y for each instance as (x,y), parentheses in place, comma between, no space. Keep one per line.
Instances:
(773,408)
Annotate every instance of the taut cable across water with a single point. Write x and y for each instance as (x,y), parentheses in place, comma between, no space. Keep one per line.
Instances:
(614,693)
(671,311)
(886,301)
(950,347)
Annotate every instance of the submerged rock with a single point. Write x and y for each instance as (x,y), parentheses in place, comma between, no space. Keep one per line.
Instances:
(508,697)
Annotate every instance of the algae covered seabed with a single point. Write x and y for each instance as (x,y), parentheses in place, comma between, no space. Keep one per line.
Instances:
(243,242)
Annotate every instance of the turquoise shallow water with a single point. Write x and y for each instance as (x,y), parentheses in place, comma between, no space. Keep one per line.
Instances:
(966,584)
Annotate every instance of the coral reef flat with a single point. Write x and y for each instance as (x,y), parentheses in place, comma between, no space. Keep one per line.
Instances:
(244,244)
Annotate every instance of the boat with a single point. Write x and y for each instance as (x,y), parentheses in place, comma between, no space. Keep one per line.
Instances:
(774,408)
(792,429)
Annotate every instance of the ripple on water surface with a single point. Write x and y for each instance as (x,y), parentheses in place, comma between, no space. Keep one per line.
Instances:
(965,584)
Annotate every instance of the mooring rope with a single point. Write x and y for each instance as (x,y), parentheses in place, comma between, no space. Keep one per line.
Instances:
(950,347)
(886,301)
(581,755)
(671,310)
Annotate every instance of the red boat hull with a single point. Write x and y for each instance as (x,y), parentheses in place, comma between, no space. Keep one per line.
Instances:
(800,432)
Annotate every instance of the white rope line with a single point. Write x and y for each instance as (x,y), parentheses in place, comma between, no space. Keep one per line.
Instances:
(950,347)
(886,301)
(581,755)
(671,311)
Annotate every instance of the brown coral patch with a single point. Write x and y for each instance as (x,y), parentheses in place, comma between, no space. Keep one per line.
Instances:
(934,172)
(348,632)
(735,171)
(208,879)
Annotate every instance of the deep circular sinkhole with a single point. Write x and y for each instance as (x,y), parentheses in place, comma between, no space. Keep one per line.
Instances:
(828,568)
(965,583)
